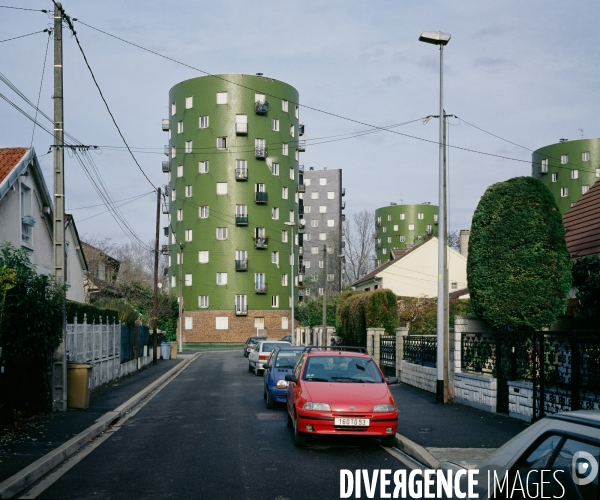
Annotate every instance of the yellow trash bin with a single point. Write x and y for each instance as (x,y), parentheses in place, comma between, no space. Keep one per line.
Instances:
(79,384)
(174,348)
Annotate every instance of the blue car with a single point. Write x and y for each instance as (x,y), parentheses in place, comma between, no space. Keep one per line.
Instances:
(281,362)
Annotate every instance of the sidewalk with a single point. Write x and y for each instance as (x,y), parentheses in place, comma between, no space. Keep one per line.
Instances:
(47,432)
(451,432)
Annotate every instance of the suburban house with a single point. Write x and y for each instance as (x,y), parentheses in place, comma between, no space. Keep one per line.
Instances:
(26,218)
(412,272)
(101,277)
(582,224)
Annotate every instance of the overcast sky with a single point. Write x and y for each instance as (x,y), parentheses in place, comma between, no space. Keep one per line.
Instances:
(523,71)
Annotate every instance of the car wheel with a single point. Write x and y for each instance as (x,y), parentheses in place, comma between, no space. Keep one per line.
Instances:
(388,441)
(299,438)
(290,422)
(256,370)
(264,394)
(270,402)
(249,367)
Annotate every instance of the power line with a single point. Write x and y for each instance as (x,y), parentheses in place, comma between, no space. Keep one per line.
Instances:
(117,201)
(22,8)
(40,91)
(127,203)
(23,36)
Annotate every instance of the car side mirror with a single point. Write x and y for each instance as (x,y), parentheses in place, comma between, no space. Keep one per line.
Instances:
(290,378)
(266,367)
(391,380)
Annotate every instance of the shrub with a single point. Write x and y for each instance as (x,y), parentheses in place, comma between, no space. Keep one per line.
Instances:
(519,270)
(93,313)
(586,278)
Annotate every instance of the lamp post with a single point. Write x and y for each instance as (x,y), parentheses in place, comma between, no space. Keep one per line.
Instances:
(292,281)
(441,39)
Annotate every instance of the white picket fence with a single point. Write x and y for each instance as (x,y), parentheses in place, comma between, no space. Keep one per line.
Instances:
(98,344)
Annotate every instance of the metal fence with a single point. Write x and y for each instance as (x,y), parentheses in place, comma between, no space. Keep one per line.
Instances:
(128,341)
(563,367)
(420,349)
(387,351)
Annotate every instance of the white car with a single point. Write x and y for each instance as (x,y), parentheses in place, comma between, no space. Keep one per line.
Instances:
(260,354)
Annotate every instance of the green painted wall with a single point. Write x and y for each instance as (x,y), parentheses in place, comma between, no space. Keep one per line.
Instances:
(222,208)
(560,175)
(386,228)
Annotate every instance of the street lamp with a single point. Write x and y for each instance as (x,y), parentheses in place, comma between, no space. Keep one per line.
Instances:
(441,39)
(292,281)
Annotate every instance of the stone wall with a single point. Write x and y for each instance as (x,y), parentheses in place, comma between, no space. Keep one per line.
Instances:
(520,400)
(423,377)
(475,390)
(239,327)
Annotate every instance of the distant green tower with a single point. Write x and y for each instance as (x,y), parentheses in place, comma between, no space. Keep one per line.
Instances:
(403,226)
(568,168)
(233,179)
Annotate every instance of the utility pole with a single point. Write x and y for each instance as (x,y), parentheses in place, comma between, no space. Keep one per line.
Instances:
(445,284)
(155,305)
(59,365)
(324,291)
(180,297)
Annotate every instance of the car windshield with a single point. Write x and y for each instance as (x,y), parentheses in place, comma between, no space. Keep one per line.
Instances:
(287,359)
(269,346)
(338,368)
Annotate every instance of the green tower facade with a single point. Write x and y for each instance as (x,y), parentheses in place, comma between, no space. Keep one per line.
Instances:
(568,168)
(233,182)
(403,226)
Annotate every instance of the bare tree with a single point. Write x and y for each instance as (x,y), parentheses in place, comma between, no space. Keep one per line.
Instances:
(454,240)
(360,245)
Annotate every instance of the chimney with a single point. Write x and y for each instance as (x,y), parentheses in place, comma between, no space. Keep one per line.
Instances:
(464,242)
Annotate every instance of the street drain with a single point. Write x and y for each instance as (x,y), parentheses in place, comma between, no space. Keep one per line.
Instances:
(425,429)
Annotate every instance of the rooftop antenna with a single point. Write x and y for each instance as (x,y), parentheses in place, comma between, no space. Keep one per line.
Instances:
(581,130)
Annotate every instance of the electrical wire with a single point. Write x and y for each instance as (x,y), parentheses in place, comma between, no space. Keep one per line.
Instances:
(22,8)
(123,204)
(23,36)
(40,91)
(102,204)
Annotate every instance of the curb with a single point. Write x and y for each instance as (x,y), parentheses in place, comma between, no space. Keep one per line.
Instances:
(416,451)
(27,476)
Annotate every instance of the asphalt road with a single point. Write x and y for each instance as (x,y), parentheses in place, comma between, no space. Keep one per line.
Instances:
(209,435)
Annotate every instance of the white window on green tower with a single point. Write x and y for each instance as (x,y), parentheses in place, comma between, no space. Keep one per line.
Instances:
(241,169)
(203,167)
(203,301)
(401,238)
(274,300)
(420,216)
(428,230)
(275,168)
(203,122)
(284,280)
(411,227)
(275,124)
(221,188)
(544,166)
(259,98)
(564,159)
(221,233)
(585,189)
(241,210)
(284,106)
(284,149)
(275,258)
(179,170)
(419,238)
(173,282)
(402,216)
(241,304)
(203,257)
(297,155)
(173,151)
(564,192)
(173,195)
(292,131)
(284,236)
(188,279)
(598,172)
(284,192)
(188,191)
(180,127)
(389,239)
(221,278)
(574,174)
(297,112)
(384,229)
(221,142)
(189,102)
(173,109)
(188,235)
(395,227)
(179,214)
(221,97)
(189,147)
(585,156)
(292,216)
(275,213)
(203,212)
(179,258)
(389,217)
(384,251)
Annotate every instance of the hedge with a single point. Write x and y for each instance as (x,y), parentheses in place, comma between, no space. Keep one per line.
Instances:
(93,313)
(518,269)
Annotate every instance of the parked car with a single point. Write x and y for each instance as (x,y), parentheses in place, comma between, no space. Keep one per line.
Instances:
(340,392)
(251,343)
(287,338)
(281,362)
(567,444)
(260,354)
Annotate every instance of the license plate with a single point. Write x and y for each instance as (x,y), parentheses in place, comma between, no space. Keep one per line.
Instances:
(351,422)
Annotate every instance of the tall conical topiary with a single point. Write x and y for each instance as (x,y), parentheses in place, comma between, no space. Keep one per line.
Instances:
(519,269)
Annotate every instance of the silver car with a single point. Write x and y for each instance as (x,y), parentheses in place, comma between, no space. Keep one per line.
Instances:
(557,456)
(260,354)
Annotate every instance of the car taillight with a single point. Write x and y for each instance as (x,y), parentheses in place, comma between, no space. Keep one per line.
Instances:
(263,356)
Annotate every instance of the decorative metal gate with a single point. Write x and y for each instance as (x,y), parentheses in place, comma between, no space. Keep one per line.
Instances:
(387,352)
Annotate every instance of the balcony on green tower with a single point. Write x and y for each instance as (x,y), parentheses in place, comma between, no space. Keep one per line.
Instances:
(241,174)
(241,265)
(260,287)
(241,128)
(261,107)
(261,242)
(241,310)
(260,197)
(260,152)
(165,167)
(241,220)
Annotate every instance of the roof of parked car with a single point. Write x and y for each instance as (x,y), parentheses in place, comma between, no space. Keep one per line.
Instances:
(588,417)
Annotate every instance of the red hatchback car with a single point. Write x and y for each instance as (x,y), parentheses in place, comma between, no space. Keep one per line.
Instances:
(340,392)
